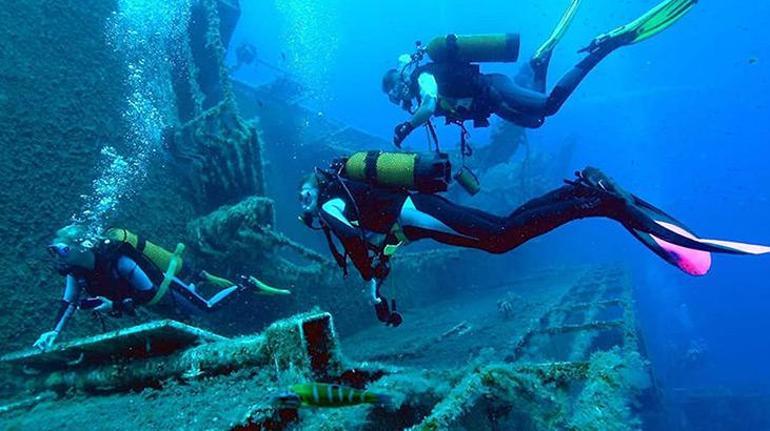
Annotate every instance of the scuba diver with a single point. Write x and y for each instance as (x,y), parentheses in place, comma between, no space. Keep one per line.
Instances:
(373,202)
(245,54)
(452,86)
(121,271)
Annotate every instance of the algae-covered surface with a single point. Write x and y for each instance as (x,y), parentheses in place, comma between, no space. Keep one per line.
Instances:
(452,331)
(124,113)
(452,365)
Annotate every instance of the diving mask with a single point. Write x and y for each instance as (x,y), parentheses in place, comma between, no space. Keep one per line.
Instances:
(59,250)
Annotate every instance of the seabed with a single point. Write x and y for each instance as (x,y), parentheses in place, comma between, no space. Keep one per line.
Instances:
(557,349)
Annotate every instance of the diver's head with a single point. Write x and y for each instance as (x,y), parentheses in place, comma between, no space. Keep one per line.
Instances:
(309,190)
(395,87)
(246,53)
(71,249)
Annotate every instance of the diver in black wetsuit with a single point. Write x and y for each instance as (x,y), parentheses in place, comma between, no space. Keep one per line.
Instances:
(122,271)
(370,221)
(453,87)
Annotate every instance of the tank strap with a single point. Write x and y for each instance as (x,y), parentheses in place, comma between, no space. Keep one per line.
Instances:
(169,274)
(432,136)
(342,260)
(452,46)
(370,166)
(465,148)
(141,243)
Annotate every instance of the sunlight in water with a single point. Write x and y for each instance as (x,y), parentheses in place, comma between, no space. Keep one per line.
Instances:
(144,33)
(312,40)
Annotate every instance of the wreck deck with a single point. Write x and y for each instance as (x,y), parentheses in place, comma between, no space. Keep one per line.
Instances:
(555,315)
(526,348)
(158,338)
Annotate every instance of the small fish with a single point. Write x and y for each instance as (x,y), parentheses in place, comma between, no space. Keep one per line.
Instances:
(753,60)
(325,395)
(283,56)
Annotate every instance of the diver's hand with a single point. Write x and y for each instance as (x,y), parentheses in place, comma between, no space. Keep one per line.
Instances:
(401,132)
(376,240)
(387,313)
(106,305)
(46,340)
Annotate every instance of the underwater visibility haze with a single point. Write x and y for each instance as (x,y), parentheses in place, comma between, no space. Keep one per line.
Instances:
(402,215)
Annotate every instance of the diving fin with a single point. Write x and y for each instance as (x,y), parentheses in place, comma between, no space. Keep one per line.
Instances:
(654,21)
(660,232)
(219,282)
(261,287)
(662,225)
(544,51)
(692,261)
(676,244)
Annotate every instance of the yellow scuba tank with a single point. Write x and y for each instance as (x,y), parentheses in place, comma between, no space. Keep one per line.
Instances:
(426,173)
(478,48)
(156,254)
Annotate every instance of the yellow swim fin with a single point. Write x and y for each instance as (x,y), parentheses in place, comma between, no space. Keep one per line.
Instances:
(219,282)
(558,32)
(264,289)
(654,21)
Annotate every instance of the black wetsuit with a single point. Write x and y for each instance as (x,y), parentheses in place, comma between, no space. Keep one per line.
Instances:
(421,216)
(522,101)
(366,219)
(124,277)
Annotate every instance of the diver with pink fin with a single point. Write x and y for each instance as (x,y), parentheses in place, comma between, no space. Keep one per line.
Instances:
(375,202)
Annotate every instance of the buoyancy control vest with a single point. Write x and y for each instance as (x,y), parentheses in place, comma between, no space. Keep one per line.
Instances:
(103,279)
(160,265)
(457,75)
(375,185)
(456,81)
(137,246)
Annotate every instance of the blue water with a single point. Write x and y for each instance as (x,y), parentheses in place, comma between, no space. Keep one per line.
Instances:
(681,119)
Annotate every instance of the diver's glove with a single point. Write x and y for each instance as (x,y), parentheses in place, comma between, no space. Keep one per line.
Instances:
(387,314)
(46,340)
(401,132)
(105,307)
(126,306)
(100,304)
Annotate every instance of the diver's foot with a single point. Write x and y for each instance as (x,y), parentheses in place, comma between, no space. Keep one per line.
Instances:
(597,179)
(245,282)
(594,189)
(593,177)
(654,21)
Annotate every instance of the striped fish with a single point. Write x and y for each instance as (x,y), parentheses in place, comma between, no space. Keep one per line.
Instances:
(325,395)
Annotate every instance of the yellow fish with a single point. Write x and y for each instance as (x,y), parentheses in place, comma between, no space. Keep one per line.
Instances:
(326,395)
